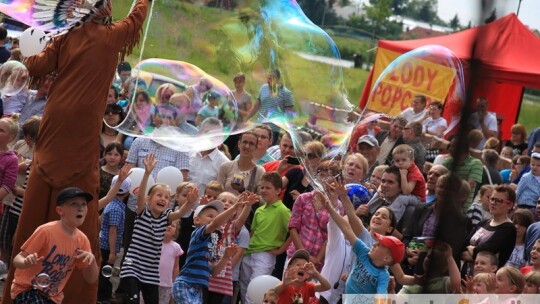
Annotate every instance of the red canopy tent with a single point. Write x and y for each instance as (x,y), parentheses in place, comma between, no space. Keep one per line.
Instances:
(506,54)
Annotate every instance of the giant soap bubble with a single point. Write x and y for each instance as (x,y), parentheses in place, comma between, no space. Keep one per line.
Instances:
(433,71)
(256,38)
(179,106)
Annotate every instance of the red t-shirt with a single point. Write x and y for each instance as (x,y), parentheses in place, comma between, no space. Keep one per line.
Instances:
(291,293)
(414,174)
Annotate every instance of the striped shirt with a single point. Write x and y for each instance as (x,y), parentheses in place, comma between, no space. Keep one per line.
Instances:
(470,169)
(196,270)
(270,103)
(222,283)
(143,255)
(16,207)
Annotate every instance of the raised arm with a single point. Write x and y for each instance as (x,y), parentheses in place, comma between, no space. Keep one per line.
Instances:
(248,199)
(192,196)
(340,221)
(222,218)
(122,175)
(354,221)
(150,163)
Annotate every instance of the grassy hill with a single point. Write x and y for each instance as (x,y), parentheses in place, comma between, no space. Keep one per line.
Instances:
(186,32)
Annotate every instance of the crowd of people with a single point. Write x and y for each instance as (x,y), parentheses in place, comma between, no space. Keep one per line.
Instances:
(430,213)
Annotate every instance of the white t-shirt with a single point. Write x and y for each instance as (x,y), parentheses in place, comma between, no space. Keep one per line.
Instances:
(411,116)
(432,125)
(491,123)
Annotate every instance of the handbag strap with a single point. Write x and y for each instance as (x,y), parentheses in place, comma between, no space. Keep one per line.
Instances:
(488,175)
(252,179)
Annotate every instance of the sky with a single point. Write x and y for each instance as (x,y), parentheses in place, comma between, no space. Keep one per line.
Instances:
(469,10)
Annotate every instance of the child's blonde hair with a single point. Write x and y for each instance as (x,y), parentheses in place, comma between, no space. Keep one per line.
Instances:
(184,185)
(486,279)
(404,149)
(13,125)
(515,277)
(270,293)
(155,187)
(215,186)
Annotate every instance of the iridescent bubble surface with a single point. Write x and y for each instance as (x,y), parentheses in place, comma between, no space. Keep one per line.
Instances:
(48,15)
(179,106)
(13,78)
(433,71)
(43,280)
(256,38)
(107,271)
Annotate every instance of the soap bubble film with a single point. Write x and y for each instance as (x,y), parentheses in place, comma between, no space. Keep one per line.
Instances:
(433,71)
(13,78)
(258,38)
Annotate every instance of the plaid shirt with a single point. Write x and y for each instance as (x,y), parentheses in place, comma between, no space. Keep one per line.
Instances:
(113,215)
(311,224)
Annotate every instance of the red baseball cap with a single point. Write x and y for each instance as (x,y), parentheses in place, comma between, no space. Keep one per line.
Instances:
(397,249)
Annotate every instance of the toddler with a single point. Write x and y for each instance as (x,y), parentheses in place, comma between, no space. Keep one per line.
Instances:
(412,180)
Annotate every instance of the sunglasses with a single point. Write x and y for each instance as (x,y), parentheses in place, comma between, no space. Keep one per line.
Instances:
(112,112)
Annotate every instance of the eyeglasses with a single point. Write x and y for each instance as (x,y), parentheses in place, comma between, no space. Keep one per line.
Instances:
(248,143)
(498,201)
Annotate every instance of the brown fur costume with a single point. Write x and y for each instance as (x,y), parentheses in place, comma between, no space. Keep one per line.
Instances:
(68,148)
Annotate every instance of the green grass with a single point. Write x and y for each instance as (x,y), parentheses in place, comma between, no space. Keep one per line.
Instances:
(206,37)
(530,112)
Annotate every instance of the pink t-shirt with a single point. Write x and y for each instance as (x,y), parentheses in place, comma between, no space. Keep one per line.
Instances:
(169,252)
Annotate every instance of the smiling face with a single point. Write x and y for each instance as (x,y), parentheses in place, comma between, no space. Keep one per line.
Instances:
(158,199)
(480,287)
(503,284)
(535,254)
(73,212)
(113,158)
(390,187)
(482,264)
(380,222)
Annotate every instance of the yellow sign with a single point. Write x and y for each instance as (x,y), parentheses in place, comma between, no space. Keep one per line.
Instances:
(395,91)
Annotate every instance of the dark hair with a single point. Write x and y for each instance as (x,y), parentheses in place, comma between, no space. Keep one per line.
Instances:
(273,178)
(116,94)
(276,73)
(123,66)
(394,170)
(437,103)
(391,216)
(115,109)
(421,97)
(114,146)
(3,32)
(493,259)
(143,93)
(510,193)
(490,157)
(30,127)
(523,217)
(239,76)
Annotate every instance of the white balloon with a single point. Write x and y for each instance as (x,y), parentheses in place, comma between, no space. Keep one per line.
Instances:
(136,179)
(259,286)
(170,176)
(32,42)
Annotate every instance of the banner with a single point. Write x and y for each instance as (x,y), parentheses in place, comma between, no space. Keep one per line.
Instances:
(395,92)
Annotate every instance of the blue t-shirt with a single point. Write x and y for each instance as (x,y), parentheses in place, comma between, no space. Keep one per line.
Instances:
(196,270)
(366,278)
(206,112)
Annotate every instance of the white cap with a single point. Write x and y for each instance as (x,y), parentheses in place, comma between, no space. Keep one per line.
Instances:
(124,187)
(218,205)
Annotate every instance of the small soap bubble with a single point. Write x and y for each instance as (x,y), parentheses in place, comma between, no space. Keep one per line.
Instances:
(107,271)
(43,280)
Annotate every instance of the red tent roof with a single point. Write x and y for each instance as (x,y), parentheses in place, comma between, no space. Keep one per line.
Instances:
(506,50)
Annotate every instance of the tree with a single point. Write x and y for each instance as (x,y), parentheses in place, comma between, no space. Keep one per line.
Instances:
(423,10)
(454,23)
(319,11)
(398,6)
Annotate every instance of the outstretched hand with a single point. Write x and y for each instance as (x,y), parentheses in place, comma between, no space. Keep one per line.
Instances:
(124,172)
(86,256)
(150,163)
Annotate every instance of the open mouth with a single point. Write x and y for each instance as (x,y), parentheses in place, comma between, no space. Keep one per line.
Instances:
(79,216)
